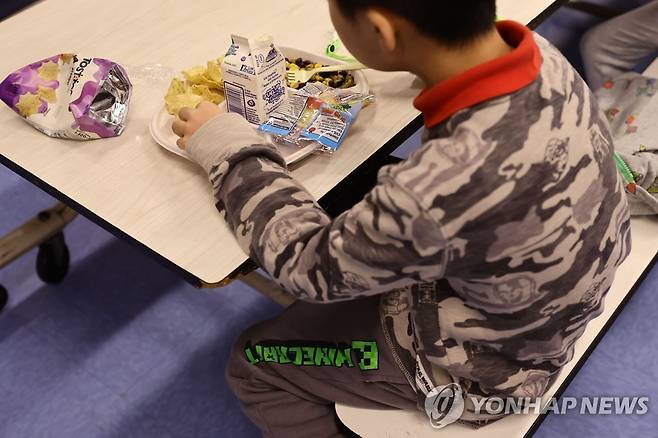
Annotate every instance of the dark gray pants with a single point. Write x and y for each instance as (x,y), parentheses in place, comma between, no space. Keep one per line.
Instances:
(289,372)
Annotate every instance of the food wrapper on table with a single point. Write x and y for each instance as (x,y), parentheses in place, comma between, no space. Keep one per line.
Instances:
(316,114)
(71,96)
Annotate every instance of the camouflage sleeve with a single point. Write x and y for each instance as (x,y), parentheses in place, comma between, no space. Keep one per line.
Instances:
(384,242)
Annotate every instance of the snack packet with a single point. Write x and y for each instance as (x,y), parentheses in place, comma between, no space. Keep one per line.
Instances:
(324,118)
(70,96)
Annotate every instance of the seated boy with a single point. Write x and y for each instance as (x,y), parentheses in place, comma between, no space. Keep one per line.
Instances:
(474,265)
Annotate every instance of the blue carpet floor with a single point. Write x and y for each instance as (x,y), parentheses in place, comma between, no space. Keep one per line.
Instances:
(625,363)
(123,348)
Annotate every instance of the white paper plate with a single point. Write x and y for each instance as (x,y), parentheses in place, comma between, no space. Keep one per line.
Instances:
(162,133)
(160,126)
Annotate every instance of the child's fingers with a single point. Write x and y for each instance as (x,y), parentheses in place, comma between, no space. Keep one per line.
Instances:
(179,127)
(185,113)
(181,143)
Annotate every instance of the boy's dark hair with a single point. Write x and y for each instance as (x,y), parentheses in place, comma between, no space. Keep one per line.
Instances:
(452,23)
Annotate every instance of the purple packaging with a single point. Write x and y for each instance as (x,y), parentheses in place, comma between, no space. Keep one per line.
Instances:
(70,96)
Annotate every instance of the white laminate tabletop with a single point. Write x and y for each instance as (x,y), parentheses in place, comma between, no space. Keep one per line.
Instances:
(130,183)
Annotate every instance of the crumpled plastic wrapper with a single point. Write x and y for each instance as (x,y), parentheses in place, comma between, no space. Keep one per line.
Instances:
(71,96)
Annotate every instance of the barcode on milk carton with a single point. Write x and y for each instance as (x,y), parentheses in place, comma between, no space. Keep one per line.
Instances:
(235,99)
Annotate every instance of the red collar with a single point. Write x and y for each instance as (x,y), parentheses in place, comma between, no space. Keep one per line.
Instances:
(495,78)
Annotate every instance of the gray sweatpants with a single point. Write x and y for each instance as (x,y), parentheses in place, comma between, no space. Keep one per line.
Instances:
(619,45)
(289,372)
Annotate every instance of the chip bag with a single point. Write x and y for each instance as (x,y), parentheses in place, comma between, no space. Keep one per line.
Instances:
(70,96)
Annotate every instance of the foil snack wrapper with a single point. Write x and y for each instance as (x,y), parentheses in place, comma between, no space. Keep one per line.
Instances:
(71,96)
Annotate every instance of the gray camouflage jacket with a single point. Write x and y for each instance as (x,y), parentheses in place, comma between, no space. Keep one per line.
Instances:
(492,246)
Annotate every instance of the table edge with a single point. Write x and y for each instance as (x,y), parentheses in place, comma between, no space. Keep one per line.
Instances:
(107,226)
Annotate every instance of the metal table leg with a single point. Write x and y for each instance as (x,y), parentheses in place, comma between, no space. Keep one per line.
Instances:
(4,297)
(44,231)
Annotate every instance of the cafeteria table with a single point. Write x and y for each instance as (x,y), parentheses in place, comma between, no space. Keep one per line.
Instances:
(146,195)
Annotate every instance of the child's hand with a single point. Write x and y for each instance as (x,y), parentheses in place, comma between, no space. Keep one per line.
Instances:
(190,120)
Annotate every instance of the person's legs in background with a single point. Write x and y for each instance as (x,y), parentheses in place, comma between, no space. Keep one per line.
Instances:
(619,45)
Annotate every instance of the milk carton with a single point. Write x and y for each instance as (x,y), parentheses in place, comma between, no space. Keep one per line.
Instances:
(254,73)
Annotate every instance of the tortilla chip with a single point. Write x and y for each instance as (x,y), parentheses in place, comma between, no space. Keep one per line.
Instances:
(67,58)
(28,104)
(200,84)
(214,73)
(180,95)
(48,94)
(196,76)
(209,94)
(49,71)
